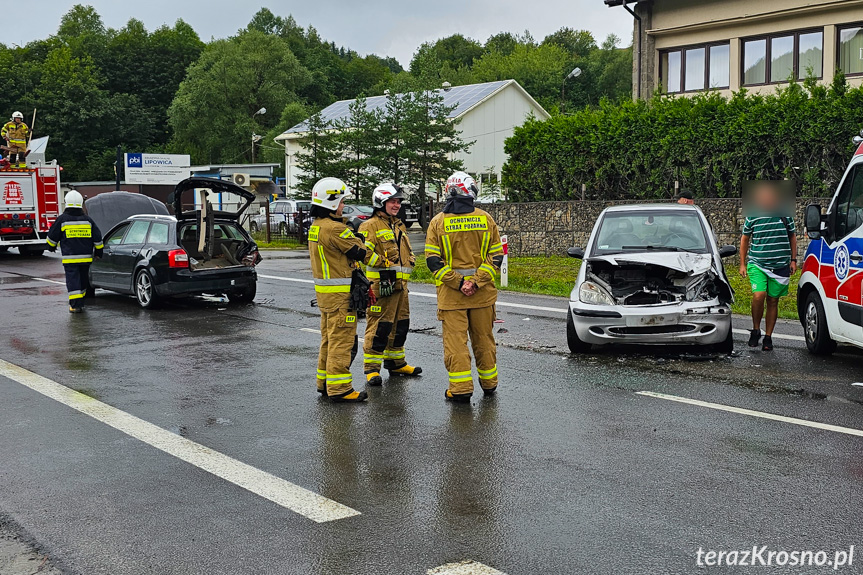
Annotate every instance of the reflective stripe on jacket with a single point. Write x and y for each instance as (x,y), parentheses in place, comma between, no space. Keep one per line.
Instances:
(387,237)
(77,235)
(330,242)
(15,133)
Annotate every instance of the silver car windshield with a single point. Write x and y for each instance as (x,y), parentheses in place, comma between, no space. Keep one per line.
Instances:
(638,231)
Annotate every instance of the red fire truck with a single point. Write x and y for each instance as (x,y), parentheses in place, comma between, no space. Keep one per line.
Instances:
(29,204)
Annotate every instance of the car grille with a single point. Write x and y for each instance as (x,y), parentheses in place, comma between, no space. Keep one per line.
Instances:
(651,329)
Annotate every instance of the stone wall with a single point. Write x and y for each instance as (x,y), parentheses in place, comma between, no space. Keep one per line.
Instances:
(549,228)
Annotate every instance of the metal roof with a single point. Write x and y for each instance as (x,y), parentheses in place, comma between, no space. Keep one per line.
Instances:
(461,98)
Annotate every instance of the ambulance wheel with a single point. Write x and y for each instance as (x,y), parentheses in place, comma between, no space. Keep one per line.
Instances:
(818,338)
(572,340)
(145,291)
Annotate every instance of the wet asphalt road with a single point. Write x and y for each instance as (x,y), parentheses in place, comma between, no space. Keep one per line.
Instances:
(567,470)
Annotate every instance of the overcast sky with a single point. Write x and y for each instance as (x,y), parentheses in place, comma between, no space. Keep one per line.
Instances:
(384,27)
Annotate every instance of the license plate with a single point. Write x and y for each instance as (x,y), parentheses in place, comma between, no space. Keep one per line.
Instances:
(648,320)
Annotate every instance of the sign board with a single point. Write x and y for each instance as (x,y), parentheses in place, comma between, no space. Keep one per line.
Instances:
(16,192)
(504,267)
(162,169)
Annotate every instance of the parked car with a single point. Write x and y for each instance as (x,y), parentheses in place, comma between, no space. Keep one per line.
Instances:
(829,300)
(199,251)
(285,217)
(652,275)
(355,215)
(408,214)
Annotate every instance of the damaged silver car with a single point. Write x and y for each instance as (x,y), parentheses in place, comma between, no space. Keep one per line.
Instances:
(651,275)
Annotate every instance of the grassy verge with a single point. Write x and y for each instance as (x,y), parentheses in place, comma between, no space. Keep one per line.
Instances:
(555,275)
(277,242)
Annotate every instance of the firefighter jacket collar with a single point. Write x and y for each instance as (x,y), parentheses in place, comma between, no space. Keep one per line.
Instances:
(459,205)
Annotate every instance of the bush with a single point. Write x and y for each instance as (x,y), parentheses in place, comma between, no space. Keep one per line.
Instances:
(637,149)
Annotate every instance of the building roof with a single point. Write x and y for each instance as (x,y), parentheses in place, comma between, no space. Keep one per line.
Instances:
(461,98)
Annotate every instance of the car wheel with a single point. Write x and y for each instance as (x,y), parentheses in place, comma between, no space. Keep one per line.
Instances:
(575,344)
(727,345)
(818,338)
(145,290)
(253,227)
(245,296)
(283,229)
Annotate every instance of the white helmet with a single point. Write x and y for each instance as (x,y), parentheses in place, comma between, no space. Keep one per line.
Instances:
(74,199)
(462,184)
(17,115)
(329,193)
(385,192)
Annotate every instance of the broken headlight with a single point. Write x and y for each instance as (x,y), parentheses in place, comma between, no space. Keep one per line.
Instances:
(591,293)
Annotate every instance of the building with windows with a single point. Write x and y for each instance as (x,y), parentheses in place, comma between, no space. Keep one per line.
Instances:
(688,46)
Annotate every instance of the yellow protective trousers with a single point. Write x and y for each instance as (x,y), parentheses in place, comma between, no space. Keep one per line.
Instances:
(338,349)
(387,325)
(479,324)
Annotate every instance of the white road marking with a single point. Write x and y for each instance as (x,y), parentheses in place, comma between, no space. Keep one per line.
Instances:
(298,499)
(524,306)
(310,330)
(776,335)
(464,568)
(753,413)
(50,281)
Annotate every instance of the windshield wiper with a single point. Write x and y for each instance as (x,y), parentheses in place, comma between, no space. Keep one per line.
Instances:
(657,248)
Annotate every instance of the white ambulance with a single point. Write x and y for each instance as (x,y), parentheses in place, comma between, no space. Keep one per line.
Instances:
(830,293)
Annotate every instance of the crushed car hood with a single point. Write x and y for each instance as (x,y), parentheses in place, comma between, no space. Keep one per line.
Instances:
(686,262)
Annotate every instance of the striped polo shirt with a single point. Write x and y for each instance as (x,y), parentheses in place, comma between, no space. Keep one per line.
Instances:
(769,246)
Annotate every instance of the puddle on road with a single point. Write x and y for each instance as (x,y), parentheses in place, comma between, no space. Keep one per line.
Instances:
(79,364)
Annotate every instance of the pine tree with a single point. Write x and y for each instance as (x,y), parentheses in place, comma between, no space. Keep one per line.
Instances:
(320,155)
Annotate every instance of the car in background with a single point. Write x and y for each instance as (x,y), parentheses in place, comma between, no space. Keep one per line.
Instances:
(355,215)
(286,217)
(408,214)
(651,275)
(198,251)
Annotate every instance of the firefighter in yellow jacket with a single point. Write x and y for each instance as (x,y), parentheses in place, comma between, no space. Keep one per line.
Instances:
(388,319)
(335,251)
(16,132)
(464,252)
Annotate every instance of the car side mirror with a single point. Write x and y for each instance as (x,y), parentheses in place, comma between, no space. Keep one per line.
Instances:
(727,251)
(813,221)
(575,252)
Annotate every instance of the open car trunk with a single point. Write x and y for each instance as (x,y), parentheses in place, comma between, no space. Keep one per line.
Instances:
(212,237)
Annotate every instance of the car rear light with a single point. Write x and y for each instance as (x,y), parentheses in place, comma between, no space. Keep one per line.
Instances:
(362,217)
(178,259)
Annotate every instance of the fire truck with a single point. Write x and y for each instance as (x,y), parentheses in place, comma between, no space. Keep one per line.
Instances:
(29,202)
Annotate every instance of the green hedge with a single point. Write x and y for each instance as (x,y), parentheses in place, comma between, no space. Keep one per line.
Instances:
(711,144)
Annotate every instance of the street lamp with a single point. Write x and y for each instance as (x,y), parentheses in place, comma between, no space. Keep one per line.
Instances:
(255,137)
(576,72)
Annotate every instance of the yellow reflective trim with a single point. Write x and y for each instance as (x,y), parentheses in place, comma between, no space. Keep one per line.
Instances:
(460,379)
(374,259)
(385,234)
(496,248)
(77,232)
(486,239)
(99,246)
(76,296)
(465,224)
(373,275)
(433,249)
(51,243)
(346,234)
(447,250)
(458,373)
(370,245)
(333,289)
(75,225)
(325,267)
(78,261)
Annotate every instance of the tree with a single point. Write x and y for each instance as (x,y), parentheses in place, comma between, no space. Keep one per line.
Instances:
(320,156)
(539,69)
(456,50)
(356,141)
(213,113)
(578,43)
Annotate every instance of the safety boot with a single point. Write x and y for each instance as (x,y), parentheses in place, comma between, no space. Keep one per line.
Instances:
(489,391)
(405,371)
(322,391)
(351,396)
(458,397)
(76,309)
(374,378)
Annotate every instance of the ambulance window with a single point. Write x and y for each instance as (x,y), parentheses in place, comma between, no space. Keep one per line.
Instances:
(117,236)
(137,232)
(849,204)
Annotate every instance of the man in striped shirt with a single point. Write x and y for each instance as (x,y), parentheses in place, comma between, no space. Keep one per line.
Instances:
(770,242)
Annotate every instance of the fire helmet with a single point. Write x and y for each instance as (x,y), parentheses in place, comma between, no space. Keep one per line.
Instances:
(17,115)
(385,192)
(74,199)
(462,184)
(328,193)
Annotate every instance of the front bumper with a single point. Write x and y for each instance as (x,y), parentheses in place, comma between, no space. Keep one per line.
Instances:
(185,282)
(687,323)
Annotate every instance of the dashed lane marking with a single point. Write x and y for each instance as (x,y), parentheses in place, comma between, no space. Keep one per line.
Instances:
(522,306)
(753,413)
(310,330)
(464,568)
(298,499)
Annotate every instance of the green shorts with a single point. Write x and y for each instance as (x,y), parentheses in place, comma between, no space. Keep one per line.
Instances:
(766,281)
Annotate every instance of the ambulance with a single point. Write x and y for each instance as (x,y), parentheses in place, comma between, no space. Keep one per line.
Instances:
(830,292)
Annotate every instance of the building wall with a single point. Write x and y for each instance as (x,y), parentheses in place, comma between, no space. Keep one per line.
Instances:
(490,124)
(678,23)
(550,228)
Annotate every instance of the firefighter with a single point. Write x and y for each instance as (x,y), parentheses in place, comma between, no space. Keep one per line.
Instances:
(335,251)
(80,240)
(388,318)
(464,252)
(16,132)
